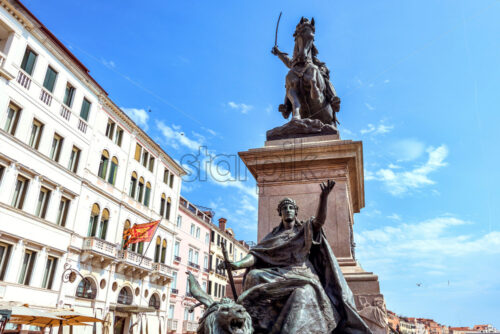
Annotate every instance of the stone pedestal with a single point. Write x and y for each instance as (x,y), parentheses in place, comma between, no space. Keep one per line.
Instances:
(295,168)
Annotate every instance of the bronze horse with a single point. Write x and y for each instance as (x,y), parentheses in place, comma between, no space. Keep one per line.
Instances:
(309,92)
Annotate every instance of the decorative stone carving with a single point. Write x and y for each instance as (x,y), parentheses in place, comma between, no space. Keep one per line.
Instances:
(372,309)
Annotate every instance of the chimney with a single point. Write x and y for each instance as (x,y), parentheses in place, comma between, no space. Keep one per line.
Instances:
(222,224)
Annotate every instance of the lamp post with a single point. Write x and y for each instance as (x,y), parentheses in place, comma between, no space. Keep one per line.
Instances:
(69,275)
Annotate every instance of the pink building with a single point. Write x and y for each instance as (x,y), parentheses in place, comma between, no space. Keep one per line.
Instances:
(191,253)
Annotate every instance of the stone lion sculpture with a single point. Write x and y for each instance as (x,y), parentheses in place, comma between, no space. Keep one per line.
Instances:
(223,317)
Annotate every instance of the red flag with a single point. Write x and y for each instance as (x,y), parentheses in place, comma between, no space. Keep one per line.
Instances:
(140,233)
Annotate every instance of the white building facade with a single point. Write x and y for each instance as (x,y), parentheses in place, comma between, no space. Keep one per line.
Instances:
(75,172)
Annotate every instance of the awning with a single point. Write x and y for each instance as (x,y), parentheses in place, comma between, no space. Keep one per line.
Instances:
(24,315)
(133,308)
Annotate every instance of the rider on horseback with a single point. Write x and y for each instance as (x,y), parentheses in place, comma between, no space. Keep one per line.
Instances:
(303,66)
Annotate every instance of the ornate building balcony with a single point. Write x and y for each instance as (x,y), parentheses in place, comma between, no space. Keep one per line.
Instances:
(133,264)
(172,325)
(98,252)
(162,274)
(189,326)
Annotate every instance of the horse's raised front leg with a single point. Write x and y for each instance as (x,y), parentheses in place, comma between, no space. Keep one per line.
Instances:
(294,98)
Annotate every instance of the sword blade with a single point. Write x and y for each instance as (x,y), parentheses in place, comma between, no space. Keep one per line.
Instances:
(276,33)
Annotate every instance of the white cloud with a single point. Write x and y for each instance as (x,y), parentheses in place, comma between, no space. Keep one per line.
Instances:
(399,182)
(108,63)
(369,106)
(408,149)
(394,216)
(378,129)
(241,107)
(173,137)
(139,116)
(425,243)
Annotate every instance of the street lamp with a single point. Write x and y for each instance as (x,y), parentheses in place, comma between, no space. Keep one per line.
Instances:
(69,275)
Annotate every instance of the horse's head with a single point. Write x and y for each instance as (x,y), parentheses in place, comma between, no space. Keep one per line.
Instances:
(304,40)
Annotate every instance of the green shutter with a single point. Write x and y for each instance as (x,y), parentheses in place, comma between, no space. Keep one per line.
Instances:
(84,113)
(50,79)
(28,61)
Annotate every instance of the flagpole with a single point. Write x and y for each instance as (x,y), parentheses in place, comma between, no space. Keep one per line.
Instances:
(143,255)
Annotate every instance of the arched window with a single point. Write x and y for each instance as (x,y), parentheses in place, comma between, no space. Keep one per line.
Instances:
(133,184)
(94,220)
(157,249)
(86,289)
(125,296)
(103,165)
(103,227)
(113,170)
(163,251)
(148,194)
(154,301)
(126,226)
(169,207)
(140,192)
(163,203)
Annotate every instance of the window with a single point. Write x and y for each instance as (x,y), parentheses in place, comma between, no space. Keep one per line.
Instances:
(43,202)
(147,196)
(119,136)
(125,296)
(2,170)
(204,285)
(86,289)
(4,259)
(13,115)
(174,280)
(69,94)
(157,249)
(48,275)
(186,314)
(190,255)
(110,128)
(133,184)
(27,267)
(20,192)
(169,208)
(212,236)
(145,157)
(163,204)
(137,155)
(176,248)
(151,165)
(126,226)
(171,310)
(216,290)
(165,176)
(207,238)
(154,301)
(103,165)
(171,184)
(103,226)
(188,293)
(140,193)
(197,232)
(209,290)
(36,134)
(62,212)
(196,256)
(113,170)
(231,248)
(50,79)
(28,62)
(192,230)
(94,220)
(210,257)
(163,251)
(205,262)
(74,159)
(55,149)
(179,221)
(84,112)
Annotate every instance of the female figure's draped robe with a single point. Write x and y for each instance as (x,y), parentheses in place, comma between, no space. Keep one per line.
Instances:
(296,286)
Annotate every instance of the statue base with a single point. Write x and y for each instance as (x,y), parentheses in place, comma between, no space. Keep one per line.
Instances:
(294,168)
(301,128)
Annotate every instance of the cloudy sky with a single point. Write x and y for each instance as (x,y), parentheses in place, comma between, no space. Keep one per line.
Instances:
(419,86)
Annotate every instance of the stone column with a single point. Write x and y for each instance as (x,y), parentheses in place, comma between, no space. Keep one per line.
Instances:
(15,262)
(8,183)
(295,168)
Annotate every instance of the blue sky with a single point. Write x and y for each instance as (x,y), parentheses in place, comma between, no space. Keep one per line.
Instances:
(419,85)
